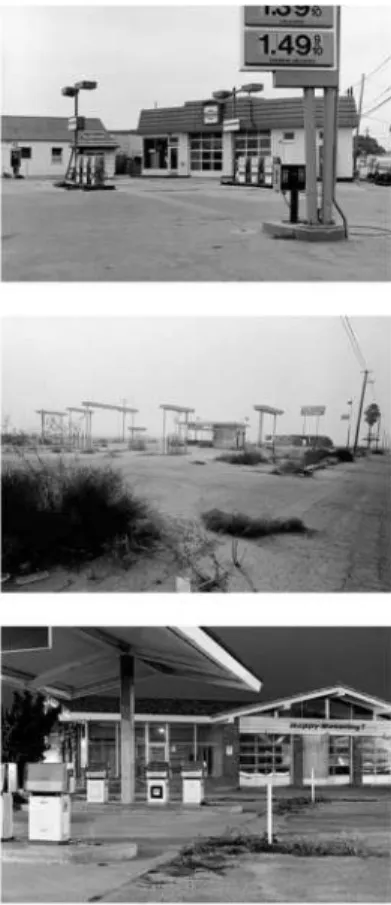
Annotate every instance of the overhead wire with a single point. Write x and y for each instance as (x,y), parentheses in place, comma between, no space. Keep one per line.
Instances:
(354,343)
(377,107)
(357,344)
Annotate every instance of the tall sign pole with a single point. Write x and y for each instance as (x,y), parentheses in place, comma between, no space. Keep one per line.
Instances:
(300,45)
(310,155)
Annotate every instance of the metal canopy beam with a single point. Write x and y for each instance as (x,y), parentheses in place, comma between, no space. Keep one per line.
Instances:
(111,408)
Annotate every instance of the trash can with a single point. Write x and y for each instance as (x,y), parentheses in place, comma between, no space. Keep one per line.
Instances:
(97,787)
(49,803)
(193,787)
(157,776)
(8,785)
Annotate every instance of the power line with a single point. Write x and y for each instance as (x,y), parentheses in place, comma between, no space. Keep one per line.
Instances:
(373,72)
(354,343)
(373,109)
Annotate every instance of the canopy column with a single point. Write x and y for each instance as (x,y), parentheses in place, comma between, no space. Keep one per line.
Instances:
(127,663)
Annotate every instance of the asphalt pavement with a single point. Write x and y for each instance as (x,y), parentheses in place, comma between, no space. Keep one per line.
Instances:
(187,230)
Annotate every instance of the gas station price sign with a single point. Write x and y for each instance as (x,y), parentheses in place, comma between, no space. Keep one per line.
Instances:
(289,37)
(290,16)
(270,50)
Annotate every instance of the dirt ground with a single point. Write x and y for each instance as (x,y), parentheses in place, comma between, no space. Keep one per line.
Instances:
(285,878)
(361,816)
(347,508)
(182,230)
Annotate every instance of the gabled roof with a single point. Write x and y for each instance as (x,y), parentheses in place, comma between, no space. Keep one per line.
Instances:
(254,114)
(54,128)
(341,691)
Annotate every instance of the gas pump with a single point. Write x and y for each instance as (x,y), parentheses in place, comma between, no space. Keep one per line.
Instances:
(268,172)
(241,170)
(276,173)
(255,165)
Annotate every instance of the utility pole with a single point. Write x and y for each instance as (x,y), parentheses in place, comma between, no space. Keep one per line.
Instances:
(360,409)
(360,105)
(350,404)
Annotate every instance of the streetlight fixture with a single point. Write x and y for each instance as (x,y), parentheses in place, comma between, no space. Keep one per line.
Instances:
(78,122)
(223,96)
(251,88)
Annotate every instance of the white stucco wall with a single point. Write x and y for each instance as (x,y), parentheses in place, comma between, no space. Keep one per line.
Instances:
(294,151)
(183,155)
(228,145)
(40,164)
(289,152)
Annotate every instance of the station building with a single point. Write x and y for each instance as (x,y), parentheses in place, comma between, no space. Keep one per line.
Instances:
(210,139)
(44,143)
(342,735)
(219,434)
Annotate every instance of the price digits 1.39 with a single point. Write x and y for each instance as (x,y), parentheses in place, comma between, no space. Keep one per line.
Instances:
(293,43)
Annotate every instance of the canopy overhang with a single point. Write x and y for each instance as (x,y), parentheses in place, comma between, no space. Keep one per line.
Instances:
(85,661)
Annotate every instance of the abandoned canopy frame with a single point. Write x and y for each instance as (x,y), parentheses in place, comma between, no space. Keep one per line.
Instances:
(89,661)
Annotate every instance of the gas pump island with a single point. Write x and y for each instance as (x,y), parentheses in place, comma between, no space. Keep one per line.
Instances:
(300,45)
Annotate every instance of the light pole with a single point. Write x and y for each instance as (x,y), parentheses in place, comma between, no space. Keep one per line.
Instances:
(79,123)
(223,96)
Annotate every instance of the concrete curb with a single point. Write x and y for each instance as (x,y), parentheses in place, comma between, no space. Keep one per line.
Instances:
(303,232)
(70,853)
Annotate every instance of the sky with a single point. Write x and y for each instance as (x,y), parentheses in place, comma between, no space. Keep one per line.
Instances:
(293,660)
(220,366)
(165,55)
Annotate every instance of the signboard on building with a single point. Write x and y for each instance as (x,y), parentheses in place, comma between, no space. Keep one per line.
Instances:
(15,639)
(313,411)
(231,125)
(211,114)
(76,123)
(292,38)
(286,726)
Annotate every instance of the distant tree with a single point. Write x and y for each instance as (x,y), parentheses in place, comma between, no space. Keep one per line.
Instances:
(372,416)
(25,728)
(367,145)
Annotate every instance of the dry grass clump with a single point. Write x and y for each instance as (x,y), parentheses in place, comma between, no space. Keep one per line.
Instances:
(238,524)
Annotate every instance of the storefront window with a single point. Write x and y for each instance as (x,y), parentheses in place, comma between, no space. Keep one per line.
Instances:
(102,747)
(155,154)
(157,733)
(206,151)
(339,755)
(265,754)
(376,756)
(252,144)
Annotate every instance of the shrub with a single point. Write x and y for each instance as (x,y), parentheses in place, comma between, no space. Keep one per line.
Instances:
(343,454)
(65,515)
(246,457)
(240,525)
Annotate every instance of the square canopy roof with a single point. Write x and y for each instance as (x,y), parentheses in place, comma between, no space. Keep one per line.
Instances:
(85,661)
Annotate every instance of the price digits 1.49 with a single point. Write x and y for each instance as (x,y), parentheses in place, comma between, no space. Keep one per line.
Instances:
(295,44)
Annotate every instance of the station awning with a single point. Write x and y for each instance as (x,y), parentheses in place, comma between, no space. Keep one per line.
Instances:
(84,661)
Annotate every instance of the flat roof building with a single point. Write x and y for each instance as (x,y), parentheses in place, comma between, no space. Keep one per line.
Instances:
(208,139)
(342,735)
(45,144)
